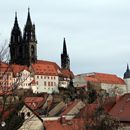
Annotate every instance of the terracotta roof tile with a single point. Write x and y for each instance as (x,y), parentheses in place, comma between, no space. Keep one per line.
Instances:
(105,78)
(74,124)
(34,102)
(69,107)
(18,68)
(121,109)
(46,68)
(67,73)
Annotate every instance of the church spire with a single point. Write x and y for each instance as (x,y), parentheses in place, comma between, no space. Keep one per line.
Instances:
(28,22)
(127,68)
(29,31)
(127,73)
(16,36)
(64,47)
(16,21)
(29,40)
(15,42)
(65,61)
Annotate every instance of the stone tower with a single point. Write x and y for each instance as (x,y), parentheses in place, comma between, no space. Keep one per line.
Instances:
(16,43)
(29,42)
(23,50)
(65,61)
(127,78)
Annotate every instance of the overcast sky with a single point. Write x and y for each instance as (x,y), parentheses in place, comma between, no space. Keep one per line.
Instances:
(97,32)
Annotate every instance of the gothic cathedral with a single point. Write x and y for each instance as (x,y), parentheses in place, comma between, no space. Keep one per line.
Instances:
(23,49)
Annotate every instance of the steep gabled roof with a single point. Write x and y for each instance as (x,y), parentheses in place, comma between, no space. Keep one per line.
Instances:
(34,102)
(121,109)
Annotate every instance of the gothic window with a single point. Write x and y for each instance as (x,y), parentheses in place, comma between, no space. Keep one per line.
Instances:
(32,50)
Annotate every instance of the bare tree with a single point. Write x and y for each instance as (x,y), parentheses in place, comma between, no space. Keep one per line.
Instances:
(7,90)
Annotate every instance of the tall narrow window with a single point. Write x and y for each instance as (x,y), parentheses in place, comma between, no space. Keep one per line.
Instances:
(44,83)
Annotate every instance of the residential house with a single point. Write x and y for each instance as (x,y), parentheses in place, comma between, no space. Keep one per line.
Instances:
(31,120)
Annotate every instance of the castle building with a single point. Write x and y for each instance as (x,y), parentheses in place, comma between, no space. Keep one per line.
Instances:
(42,76)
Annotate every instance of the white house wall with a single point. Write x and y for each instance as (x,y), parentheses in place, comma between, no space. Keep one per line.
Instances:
(47,84)
(23,79)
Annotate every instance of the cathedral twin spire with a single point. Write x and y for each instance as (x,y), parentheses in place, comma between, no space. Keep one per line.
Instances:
(23,49)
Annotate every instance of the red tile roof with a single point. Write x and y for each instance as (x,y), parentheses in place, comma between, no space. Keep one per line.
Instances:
(18,68)
(46,68)
(121,109)
(41,67)
(33,82)
(34,102)
(74,124)
(105,78)
(67,73)
(69,107)
(4,67)
(6,92)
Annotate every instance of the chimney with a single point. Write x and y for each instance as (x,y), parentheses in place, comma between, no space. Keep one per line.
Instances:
(62,120)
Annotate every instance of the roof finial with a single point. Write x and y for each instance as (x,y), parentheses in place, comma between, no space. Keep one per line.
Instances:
(15,14)
(28,9)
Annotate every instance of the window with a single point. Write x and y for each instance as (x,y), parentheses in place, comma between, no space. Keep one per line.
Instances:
(41,77)
(54,77)
(28,114)
(51,83)
(48,77)
(48,83)
(38,77)
(44,83)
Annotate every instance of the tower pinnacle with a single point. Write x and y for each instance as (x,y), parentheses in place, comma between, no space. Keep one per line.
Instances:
(127,73)
(65,61)
(64,47)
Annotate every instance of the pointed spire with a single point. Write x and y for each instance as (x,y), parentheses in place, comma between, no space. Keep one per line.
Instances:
(64,47)
(16,21)
(127,73)
(29,22)
(65,61)
(127,67)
